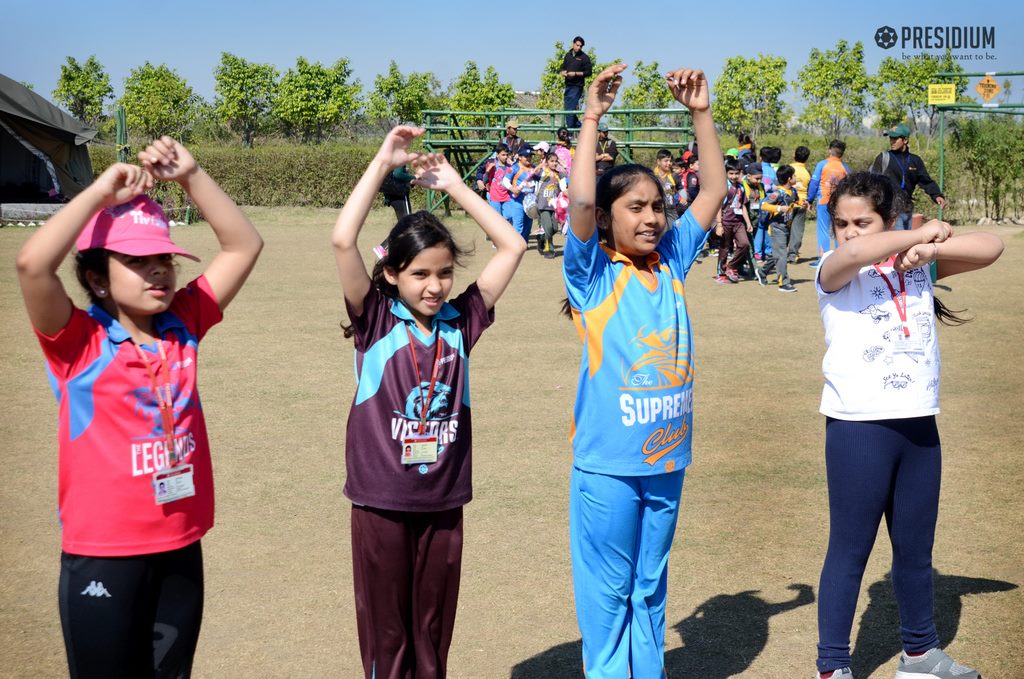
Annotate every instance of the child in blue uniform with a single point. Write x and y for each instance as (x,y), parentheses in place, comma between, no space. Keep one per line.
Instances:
(881,395)
(632,423)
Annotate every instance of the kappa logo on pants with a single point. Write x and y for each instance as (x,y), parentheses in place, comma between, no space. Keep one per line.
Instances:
(96,589)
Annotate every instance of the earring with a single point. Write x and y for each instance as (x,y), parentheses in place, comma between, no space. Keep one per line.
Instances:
(101,292)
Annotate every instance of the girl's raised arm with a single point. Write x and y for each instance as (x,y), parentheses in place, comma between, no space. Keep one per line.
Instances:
(583,177)
(240,243)
(49,307)
(394,152)
(958,254)
(435,173)
(842,266)
(690,88)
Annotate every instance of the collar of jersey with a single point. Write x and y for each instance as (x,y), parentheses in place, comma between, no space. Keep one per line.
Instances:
(162,322)
(446,313)
(653,259)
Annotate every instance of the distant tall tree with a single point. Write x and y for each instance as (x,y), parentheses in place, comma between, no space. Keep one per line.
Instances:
(901,88)
(400,98)
(82,89)
(471,92)
(314,99)
(158,101)
(747,96)
(647,90)
(834,86)
(245,94)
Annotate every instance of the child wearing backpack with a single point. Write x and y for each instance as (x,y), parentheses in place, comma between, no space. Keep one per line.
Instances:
(779,207)
(550,184)
(519,184)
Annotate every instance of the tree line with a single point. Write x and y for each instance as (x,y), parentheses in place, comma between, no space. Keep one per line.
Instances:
(313,102)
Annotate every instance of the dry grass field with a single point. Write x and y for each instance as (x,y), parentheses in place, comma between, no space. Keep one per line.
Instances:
(276,383)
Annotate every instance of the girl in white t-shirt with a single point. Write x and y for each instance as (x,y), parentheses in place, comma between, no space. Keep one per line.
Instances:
(880,399)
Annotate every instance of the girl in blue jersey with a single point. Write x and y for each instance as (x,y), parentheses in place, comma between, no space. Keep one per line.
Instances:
(881,395)
(624,270)
(408,442)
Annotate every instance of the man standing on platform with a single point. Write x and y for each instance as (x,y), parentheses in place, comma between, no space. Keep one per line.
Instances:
(576,68)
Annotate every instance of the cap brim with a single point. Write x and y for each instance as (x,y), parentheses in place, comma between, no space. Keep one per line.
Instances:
(143,248)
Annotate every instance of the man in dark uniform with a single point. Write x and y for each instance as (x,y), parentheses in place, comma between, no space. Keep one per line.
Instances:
(576,68)
(607,151)
(906,171)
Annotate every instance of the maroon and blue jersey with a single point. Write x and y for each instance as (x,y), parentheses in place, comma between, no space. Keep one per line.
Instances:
(389,403)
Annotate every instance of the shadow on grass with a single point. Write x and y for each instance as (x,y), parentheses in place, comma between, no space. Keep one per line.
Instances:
(878,637)
(721,639)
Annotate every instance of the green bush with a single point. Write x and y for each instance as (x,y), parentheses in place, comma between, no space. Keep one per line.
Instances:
(323,175)
(281,175)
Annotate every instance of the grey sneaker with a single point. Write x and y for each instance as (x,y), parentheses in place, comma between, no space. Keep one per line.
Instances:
(934,664)
(844,673)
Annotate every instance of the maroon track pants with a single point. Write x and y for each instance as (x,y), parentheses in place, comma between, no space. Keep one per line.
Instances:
(733,234)
(406,569)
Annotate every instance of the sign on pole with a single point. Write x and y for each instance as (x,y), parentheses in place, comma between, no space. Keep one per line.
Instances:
(988,88)
(941,94)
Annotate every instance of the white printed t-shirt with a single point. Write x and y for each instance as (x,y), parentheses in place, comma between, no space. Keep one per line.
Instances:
(865,377)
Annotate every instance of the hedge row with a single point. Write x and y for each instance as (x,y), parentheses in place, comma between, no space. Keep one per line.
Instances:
(324,175)
(286,175)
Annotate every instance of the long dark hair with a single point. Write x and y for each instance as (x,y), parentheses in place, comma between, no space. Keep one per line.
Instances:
(610,187)
(889,203)
(413,234)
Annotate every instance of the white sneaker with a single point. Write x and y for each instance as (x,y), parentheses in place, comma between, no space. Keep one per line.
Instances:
(934,664)
(844,673)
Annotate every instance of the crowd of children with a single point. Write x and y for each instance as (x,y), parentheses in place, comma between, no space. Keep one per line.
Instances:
(125,376)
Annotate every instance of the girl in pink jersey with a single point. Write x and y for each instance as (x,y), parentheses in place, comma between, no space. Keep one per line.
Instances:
(408,439)
(136,486)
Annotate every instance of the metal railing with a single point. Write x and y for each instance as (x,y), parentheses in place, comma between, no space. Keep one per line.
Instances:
(468,138)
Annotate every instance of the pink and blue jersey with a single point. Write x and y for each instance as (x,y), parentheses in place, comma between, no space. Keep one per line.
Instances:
(111,435)
(634,405)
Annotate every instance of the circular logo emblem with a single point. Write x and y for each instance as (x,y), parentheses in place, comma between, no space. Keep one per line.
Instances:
(885,37)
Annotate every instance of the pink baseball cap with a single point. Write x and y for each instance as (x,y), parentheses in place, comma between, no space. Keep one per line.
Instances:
(138,227)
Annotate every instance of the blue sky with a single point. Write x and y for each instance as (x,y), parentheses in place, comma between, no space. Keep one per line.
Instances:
(516,38)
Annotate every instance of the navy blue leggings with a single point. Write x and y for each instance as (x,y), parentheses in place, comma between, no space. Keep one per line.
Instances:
(890,468)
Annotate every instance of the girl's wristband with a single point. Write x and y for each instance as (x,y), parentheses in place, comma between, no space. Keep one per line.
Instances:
(591,116)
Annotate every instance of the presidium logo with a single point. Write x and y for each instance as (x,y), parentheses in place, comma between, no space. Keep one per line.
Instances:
(936,37)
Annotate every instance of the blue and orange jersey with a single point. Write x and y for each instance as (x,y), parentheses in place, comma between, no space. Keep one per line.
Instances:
(827,174)
(634,407)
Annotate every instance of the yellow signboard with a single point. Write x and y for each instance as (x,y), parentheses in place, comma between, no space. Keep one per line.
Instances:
(941,94)
(988,88)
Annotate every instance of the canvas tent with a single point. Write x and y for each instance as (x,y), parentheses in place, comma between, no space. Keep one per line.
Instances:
(42,149)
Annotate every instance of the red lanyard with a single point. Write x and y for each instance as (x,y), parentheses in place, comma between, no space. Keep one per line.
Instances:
(425,402)
(164,396)
(899,300)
